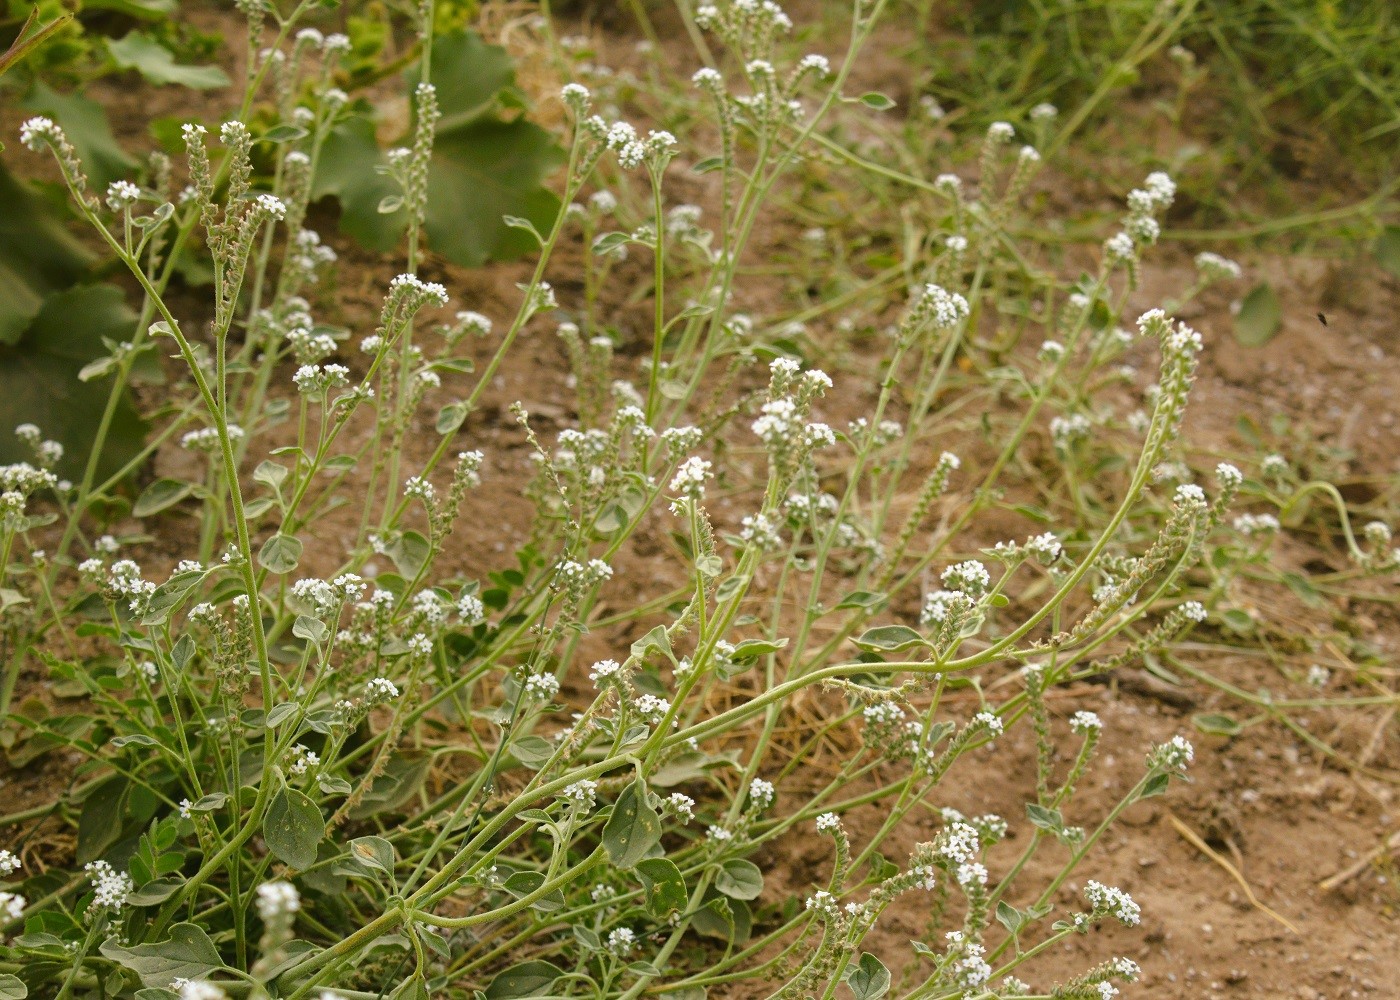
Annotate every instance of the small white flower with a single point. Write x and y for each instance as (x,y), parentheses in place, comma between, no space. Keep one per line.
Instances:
(1114,902)
(1084,723)
(1318,676)
(828,822)
(277,899)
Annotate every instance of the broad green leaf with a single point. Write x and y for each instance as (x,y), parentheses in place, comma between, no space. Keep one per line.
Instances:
(147,9)
(100,822)
(85,123)
(1259,317)
(37,258)
(373,852)
(311,629)
(402,778)
(293,828)
(722,918)
(877,101)
(1388,249)
(188,954)
(280,553)
(739,879)
(160,495)
(869,980)
(523,884)
(156,891)
(889,639)
(39,375)
(410,552)
(752,649)
(665,888)
(864,599)
(484,168)
(532,751)
(633,828)
(1216,724)
(1047,819)
(529,979)
(11,988)
(141,52)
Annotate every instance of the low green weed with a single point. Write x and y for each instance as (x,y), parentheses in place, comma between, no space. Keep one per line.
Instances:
(392,778)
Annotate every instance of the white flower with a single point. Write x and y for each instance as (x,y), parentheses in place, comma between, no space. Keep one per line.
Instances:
(381,689)
(1318,676)
(11,906)
(1000,132)
(541,687)
(1189,495)
(1214,267)
(1084,723)
(1173,755)
(112,887)
(122,195)
(943,308)
(690,477)
(277,899)
(1044,112)
(581,794)
(1194,610)
(604,672)
(828,822)
(970,577)
(36,131)
(761,793)
(9,863)
(621,941)
(1109,901)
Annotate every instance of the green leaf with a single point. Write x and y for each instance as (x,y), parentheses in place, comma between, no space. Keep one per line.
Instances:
(665,887)
(1388,249)
(100,822)
(11,988)
(85,123)
(156,891)
(147,9)
(141,52)
(37,258)
(410,552)
(889,639)
(311,629)
(484,168)
(658,638)
(39,375)
(752,649)
(523,884)
(373,852)
(293,827)
(532,751)
(1259,317)
(633,828)
(1047,819)
(399,783)
(1156,785)
(161,495)
(877,101)
(529,979)
(188,954)
(863,599)
(1216,724)
(280,553)
(1009,917)
(739,879)
(869,980)
(451,417)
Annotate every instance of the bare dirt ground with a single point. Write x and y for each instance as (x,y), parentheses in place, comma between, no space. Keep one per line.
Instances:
(1284,816)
